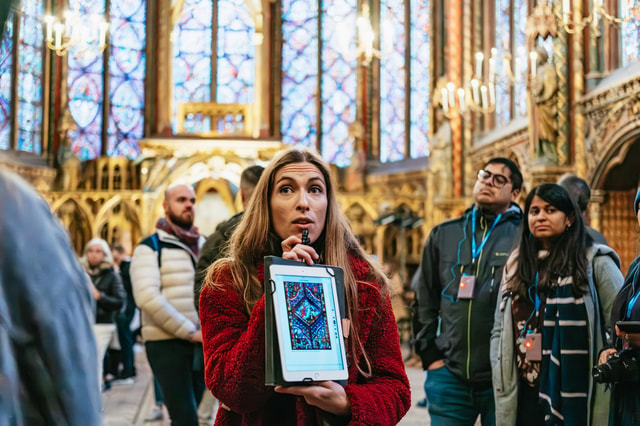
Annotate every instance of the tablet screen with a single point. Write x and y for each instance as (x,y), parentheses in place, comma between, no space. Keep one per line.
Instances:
(308,320)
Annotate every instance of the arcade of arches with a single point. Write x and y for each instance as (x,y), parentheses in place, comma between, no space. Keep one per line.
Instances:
(193,91)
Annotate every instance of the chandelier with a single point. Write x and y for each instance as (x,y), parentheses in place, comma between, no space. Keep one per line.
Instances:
(572,25)
(479,93)
(365,41)
(82,33)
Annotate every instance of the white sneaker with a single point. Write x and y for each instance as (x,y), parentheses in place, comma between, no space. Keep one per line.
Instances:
(127,381)
(156,414)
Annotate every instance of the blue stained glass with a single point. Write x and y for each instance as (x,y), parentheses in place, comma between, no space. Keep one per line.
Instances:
(192,54)
(503,46)
(338,94)
(630,32)
(6,66)
(127,70)
(519,61)
(392,81)
(85,90)
(299,72)
(235,66)
(420,59)
(30,50)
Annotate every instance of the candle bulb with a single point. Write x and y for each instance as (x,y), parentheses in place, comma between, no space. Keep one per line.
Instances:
(445,102)
(492,93)
(451,89)
(566,10)
(49,20)
(475,90)
(104,27)
(58,30)
(463,107)
(479,59)
(485,101)
(534,58)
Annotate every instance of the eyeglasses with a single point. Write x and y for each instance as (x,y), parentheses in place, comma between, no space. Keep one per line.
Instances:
(498,181)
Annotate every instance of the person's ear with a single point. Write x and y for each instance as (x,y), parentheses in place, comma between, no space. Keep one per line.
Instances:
(514,194)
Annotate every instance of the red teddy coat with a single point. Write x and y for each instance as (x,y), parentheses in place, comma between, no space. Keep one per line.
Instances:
(234,362)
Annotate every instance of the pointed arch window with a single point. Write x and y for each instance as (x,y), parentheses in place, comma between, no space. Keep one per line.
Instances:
(109,109)
(630,33)
(21,78)
(193,46)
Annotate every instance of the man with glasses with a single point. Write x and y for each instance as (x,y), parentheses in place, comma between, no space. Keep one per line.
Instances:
(456,288)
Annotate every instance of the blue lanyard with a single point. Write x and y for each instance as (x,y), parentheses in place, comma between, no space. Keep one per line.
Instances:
(635,298)
(537,302)
(475,252)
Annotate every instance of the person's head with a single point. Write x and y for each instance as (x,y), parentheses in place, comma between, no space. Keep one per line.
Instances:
(119,253)
(296,192)
(498,184)
(179,202)
(552,222)
(97,251)
(577,188)
(550,213)
(248,181)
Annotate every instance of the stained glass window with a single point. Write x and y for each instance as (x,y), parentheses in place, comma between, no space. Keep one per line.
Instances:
(519,61)
(86,90)
(503,46)
(420,58)
(392,81)
(235,66)
(126,83)
(630,32)
(338,93)
(299,114)
(30,40)
(6,65)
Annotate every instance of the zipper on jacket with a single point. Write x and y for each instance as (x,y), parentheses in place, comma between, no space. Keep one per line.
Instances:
(484,231)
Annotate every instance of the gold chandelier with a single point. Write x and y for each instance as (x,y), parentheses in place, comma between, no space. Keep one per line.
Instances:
(598,13)
(82,33)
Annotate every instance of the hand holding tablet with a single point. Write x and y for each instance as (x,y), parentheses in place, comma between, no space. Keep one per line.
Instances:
(306,305)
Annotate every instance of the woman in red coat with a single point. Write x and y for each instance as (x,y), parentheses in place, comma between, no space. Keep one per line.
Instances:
(295,194)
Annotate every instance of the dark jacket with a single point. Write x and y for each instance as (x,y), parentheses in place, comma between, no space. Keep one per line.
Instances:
(625,408)
(213,250)
(112,294)
(130,303)
(464,325)
(47,347)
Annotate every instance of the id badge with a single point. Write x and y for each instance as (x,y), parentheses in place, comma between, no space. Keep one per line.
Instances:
(466,287)
(533,346)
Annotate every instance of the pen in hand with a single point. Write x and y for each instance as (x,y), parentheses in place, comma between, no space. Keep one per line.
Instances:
(305,236)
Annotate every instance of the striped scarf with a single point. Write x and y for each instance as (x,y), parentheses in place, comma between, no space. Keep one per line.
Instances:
(564,382)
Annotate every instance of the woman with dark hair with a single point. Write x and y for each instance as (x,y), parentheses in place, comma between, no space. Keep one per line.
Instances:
(551,317)
(626,393)
(296,193)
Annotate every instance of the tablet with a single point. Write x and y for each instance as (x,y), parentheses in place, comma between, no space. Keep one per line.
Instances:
(308,322)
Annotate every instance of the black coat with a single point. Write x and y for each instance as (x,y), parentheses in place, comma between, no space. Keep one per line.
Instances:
(112,294)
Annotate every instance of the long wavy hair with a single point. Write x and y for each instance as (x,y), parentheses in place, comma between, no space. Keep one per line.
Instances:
(255,238)
(567,256)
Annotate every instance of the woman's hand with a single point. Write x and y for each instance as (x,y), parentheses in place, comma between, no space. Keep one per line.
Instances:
(328,396)
(293,249)
(605,355)
(631,339)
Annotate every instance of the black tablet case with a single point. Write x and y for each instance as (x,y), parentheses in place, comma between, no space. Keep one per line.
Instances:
(273,366)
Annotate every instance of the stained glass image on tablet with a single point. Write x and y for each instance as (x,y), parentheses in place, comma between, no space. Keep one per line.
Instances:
(307,316)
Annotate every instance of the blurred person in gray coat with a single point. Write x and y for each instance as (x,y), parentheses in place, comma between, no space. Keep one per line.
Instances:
(47,348)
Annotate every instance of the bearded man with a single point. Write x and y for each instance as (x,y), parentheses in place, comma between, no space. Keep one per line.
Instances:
(162,276)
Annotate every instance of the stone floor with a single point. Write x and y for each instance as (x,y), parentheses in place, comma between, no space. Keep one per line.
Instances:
(126,405)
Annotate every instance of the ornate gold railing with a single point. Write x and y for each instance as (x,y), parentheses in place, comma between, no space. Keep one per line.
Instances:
(212,119)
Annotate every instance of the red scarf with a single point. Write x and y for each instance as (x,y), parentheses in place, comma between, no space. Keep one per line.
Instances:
(188,237)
